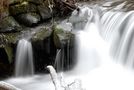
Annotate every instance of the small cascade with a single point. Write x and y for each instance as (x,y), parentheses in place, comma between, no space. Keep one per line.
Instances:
(64,59)
(91,48)
(57,63)
(118,30)
(60,60)
(24,59)
(96,37)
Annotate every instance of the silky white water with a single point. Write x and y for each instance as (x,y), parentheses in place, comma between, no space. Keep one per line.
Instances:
(24,59)
(101,40)
(118,30)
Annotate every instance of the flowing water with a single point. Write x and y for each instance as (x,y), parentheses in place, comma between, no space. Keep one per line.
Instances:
(58,61)
(24,59)
(102,38)
(118,30)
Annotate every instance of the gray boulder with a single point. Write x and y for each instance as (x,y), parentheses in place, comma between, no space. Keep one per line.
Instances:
(24,7)
(44,12)
(28,19)
(62,37)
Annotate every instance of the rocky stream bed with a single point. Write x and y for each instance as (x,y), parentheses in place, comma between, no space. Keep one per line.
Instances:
(39,22)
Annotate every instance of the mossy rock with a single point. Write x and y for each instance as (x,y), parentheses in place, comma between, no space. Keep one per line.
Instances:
(24,7)
(62,37)
(8,24)
(42,34)
(8,38)
(13,2)
(28,19)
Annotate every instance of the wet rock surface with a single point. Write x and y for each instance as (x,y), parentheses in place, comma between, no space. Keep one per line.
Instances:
(44,12)
(24,7)
(9,24)
(28,19)
(30,12)
(44,46)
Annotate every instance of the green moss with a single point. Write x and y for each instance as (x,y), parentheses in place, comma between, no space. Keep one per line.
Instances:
(12,37)
(8,38)
(42,34)
(24,7)
(9,24)
(61,37)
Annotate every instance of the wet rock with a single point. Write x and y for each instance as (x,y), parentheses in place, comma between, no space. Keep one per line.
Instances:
(8,24)
(44,54)
(3,40)
(44,12)
(42,34)
(28,19)
(79,20)
(8,39)
(13,2)
(43,48)
(65,7)
(3,56)
(5,69)
(61,37)
(64,41)
(37,2)
(24,7)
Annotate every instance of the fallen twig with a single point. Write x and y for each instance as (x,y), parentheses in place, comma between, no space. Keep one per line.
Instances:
(54,77)
(60,84)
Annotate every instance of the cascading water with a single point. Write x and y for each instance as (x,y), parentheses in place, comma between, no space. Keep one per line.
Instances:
(88,40)
(118,29)
(57,63)
(24,59)
(95,68)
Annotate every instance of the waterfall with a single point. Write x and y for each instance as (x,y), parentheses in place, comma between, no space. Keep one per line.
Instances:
(118,30)
(101,38)
(108,34)
(91,48)
(24,59)
(58,62)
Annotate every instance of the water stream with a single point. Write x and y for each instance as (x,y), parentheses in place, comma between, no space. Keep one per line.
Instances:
(101,40)
(24,59)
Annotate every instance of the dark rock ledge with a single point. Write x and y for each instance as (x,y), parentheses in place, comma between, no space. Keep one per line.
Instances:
(32,19)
